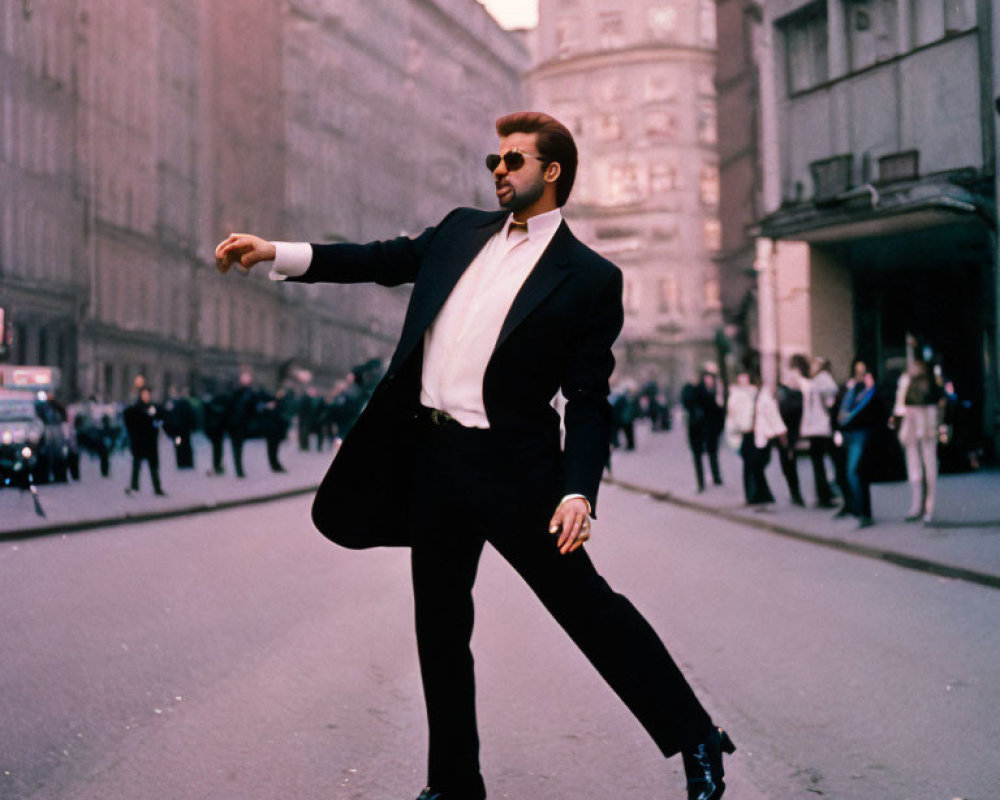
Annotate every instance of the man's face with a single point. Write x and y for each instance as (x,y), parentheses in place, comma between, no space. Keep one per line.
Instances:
(523,187)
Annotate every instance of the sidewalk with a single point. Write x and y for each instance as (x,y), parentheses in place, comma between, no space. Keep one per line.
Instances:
(963,542)
(94,501)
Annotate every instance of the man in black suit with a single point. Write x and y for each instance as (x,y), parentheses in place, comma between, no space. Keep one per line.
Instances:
(142,422)
(459,444)
(705,421)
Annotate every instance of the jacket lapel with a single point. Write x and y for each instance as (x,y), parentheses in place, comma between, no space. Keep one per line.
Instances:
(547,274)
(430,293)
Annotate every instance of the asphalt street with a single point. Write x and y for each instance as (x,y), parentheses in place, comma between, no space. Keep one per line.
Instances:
(239,655)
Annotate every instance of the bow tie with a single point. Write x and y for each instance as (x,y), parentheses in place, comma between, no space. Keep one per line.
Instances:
(520,227)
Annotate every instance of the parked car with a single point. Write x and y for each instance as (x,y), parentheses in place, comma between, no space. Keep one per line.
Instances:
(21,436)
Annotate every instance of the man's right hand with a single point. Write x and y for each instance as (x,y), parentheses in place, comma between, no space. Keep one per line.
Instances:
(243,250)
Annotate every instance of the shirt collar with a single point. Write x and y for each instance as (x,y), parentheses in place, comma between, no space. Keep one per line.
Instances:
(538,225)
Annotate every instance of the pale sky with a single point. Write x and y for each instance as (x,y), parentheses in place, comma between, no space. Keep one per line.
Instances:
(513,13)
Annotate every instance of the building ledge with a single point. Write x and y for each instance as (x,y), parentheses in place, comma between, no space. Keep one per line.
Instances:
(881,210)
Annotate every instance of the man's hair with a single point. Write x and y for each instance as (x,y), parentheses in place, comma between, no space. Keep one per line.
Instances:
(555,143)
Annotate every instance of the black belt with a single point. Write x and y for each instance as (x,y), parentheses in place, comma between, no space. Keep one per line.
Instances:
(436,418)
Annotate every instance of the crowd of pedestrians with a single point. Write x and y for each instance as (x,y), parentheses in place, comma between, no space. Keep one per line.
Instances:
(858,430)
(244,411)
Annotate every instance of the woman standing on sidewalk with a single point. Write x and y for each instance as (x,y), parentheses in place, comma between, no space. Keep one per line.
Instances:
(752,423)
(918,409)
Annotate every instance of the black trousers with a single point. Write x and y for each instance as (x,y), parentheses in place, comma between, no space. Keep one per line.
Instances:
(702,442)
(153,459)
(819,448)
(755,460)
(468,490)
(183,451)
(216,438)
(790,469)
(236,440)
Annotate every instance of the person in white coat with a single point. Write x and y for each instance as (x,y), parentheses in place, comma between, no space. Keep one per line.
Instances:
(819,397)
(752,424)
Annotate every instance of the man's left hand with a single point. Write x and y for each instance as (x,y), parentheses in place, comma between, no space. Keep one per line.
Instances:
(572,522)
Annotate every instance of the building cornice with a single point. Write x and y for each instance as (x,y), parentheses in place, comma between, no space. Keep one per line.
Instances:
(626,56)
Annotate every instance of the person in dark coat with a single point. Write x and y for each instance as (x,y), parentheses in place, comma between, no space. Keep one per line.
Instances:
(705,421)
(858,418)
(790,404)
(623,412)
(215,409)
(142,423)
(272,425)
(306,417)
(179,423)
(460,446)
(242,407)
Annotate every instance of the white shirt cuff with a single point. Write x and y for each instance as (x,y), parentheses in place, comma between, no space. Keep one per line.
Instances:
(291,260)
(590,511)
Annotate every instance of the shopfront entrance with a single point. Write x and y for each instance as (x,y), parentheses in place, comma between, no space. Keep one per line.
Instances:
(934,284)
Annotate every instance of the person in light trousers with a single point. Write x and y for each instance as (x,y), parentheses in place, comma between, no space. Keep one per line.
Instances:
(917,412)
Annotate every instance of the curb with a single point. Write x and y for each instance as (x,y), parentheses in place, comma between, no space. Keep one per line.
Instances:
(890,556)
(150,516)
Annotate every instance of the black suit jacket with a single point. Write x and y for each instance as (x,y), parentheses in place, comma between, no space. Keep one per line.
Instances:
(557,335)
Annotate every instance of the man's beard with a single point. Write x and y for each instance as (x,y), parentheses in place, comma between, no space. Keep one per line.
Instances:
(527,197)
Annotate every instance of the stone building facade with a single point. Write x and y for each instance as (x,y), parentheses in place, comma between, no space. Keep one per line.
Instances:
(878,216)
(135,136)
(634,80)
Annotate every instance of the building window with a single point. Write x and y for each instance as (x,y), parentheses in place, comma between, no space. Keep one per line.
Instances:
(567,36)
(871,31)
(612,28)
(663,21)
(712,234)
(662,176)
(707,133)
(630,297)
(43,347)
(659,88)
(706,23)
(660,124)
(669,295)
(713,299)
(107,394)
(609,90)
(805,37)
(625,184)
(934,19)
(20,343)
(710,185)
(609,128)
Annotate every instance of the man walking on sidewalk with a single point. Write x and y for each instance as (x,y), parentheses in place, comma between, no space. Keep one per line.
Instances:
(459,444)
(142,422)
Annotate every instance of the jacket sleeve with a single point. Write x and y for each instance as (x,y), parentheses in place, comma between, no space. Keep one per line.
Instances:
(389,263)
(585,385)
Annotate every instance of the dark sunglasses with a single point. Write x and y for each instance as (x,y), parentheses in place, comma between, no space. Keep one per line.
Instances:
(513,159)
